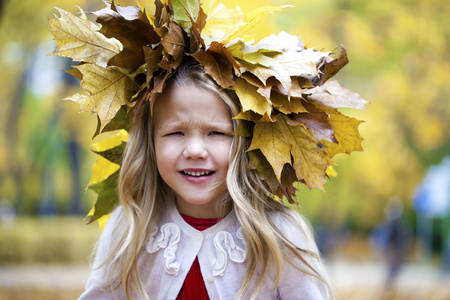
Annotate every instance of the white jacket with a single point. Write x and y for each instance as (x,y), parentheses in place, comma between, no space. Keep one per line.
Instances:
(221,251)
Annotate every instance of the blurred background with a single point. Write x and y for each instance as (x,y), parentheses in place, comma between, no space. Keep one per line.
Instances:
(384,223)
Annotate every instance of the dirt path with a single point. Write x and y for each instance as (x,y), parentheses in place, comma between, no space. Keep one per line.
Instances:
(352,279)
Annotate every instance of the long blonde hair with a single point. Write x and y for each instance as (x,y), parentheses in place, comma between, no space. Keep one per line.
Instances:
(144,195)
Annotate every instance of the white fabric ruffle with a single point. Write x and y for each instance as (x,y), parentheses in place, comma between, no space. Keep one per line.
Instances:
(168,239)
(224,243)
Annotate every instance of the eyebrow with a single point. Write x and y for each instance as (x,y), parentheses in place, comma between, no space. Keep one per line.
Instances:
(184,124)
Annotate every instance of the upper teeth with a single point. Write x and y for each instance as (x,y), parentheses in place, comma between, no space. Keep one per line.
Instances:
(197,173)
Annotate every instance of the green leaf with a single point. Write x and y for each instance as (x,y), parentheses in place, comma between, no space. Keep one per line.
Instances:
(184,12)
(107,199)
(122,120)
(111,149)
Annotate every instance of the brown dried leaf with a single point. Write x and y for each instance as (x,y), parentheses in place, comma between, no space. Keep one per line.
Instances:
(152,58)
(259,163)
(316,123)
(131,27)
(329,67)
(332,94)
(174,41)
(217,66)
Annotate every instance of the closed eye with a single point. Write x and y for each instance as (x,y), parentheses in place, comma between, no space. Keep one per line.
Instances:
(216,133)
(174,133)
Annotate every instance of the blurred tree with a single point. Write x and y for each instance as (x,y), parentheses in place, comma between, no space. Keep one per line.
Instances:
(399,59)
(23,27)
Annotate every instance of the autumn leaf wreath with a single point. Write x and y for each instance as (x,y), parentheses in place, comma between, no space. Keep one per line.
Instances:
(289,108)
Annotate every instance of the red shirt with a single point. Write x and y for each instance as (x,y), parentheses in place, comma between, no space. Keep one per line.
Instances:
(194,286)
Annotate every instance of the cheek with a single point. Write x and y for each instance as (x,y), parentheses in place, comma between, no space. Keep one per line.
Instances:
(162,152)
(224,154)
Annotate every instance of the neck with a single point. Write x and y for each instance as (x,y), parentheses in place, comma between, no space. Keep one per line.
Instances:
(204,211)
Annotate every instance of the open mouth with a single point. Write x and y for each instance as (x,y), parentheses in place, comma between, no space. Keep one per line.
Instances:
(197,174)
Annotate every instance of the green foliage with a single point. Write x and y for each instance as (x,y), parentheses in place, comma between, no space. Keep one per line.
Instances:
(399,60)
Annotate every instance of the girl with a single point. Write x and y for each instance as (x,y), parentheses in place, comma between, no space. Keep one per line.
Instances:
(193,222)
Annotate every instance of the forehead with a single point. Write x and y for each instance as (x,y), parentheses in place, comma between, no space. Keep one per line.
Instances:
(190,103)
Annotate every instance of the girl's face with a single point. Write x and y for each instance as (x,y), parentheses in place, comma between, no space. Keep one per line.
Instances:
(192,147)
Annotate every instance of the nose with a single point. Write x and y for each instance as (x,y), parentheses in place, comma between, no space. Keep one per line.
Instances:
(195,148)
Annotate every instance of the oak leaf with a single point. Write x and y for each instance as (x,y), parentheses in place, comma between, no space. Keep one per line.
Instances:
(173,41)
(79,39)
(152,54)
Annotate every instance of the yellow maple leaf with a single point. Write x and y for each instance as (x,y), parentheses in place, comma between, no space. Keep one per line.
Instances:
(79,39)
(101,221)
(279,141)
(102,169)
(287,106)
(250,98)
(248,22)
(107,89)
(220,19)
(115,140)
(345,130)
(269,138)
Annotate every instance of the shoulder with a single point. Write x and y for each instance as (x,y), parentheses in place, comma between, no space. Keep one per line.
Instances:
(300,274)
(113,226)
(295,228)
(114,220)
